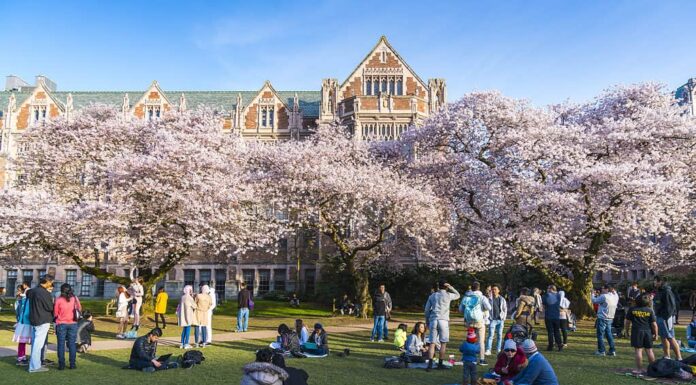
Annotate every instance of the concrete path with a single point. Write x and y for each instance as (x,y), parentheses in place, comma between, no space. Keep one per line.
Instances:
(270,335)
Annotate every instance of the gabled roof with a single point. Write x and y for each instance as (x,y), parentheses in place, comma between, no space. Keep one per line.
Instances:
(383,39)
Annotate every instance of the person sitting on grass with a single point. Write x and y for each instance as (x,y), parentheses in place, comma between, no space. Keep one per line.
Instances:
(510,361)
(294,301)
(318,343)
(691,333)
(415,348)
(263,371)
(144,352)
(470,350)
(538,370)
(287,339)
(302,332)
(85,328)
(400,336)
(295,376)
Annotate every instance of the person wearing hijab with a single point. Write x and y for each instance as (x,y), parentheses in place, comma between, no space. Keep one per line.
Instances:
(203,304)
(213,305)
(186,316)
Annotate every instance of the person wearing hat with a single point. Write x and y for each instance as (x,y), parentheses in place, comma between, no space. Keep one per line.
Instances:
(144,352)
(319,338)
(470,350)
(510,361)
(538,370)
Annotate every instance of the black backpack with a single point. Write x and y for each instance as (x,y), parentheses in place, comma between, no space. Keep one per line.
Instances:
(192,358)
(395,363)
(665,368)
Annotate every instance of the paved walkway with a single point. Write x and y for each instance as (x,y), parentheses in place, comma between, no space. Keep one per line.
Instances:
(10,351)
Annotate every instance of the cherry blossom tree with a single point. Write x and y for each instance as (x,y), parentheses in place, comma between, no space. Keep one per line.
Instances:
(570,190)
(156,192)
(336,185)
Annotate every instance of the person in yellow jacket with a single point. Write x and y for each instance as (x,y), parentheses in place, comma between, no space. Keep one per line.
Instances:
(161,307)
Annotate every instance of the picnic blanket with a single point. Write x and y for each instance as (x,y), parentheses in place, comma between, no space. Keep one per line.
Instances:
(276,345)
(666,381)
(423,365)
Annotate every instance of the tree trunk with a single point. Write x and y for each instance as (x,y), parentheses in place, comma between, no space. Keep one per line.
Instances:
(580,295)
(148,299)
(362,291)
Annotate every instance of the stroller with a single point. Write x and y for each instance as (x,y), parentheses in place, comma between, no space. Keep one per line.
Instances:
(519,333)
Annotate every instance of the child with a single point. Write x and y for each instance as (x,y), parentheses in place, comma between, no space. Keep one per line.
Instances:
(22,334)
(470,352)
(691,333)
(161,307)
(85,328)
(400,336)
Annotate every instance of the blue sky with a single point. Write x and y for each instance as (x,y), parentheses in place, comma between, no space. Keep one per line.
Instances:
(544,51)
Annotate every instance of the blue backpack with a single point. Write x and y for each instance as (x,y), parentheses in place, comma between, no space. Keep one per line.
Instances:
(471,307)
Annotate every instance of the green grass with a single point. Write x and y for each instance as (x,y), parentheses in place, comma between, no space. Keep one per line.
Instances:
(574,366)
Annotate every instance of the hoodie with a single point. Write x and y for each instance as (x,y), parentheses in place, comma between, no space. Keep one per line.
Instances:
(438,305)
(263,373)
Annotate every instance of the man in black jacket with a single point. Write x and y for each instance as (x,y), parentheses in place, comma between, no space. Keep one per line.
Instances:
(664,305)
(243,298)
(40,318)
(144,352)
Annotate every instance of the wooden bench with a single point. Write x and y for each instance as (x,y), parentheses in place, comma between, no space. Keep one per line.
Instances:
(110,306)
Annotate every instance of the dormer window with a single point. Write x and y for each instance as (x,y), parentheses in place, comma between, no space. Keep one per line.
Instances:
(39,114)
(153,112)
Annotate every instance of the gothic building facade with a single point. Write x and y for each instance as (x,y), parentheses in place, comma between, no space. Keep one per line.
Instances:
(379,100)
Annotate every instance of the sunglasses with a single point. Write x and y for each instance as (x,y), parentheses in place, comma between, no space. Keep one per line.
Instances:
(510,350)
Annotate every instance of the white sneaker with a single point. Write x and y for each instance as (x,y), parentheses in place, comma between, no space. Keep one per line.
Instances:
(380,341)
(487,353)
(372,340)
(187,347)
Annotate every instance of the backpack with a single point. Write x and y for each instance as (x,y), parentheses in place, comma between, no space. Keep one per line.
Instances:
(665,368)
(192,358)
(394,363)
(471,307)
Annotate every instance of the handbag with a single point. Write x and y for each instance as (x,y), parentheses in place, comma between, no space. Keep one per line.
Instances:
(77,313)
(250,304)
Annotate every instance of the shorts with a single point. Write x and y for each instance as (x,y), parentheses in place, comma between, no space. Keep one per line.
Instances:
(439,331)
(665,327)
(642,339)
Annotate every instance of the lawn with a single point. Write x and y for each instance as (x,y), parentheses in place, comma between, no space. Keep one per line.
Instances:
(575,365)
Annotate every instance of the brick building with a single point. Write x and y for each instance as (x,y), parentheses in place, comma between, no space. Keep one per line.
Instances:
(379,100)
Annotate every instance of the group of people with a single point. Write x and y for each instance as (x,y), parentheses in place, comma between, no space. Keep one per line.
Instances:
(36,309)
(298,341)
(196,311)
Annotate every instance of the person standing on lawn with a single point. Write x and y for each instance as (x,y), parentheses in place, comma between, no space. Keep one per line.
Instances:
(552,316)
(387,314)
(437,313)
(641,318)
(40,318)
(22,333)
(213,305)
(538,305)
(379,310)
(244,298)
(186,315)
(161,307)
(692,302)
(64,311)
(664,304)
(470,350)
(473,306)
(138,292)
(203,302)
(607,301)
(497,317)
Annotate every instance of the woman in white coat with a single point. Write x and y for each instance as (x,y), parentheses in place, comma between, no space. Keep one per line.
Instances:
(213,296)
(186,316)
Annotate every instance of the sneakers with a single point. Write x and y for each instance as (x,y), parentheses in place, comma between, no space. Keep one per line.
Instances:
(39,370)
(488,353)
(381,341)
(599,354)
(120,336)
(483,363)
(612,354)
(372,340)
(185,347)
(22,363)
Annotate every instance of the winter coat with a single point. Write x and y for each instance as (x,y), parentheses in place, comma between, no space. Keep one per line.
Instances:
(161,303)
(186,315)
(263,373)
(203,304)
(514,367)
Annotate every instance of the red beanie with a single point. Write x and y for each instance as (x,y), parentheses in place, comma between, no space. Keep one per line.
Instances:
(471,335)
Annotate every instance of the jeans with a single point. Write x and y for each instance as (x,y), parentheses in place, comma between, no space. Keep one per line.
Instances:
(243,319)
(564,330)
(185,333)
(604,330)
(140,364)
(38,338)
(553,330)
(386,328)
(495,326)
(66,333)
(378,328)
(203,331)
(469,373)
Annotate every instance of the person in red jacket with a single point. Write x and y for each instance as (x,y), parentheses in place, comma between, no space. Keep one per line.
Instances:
(510,361)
